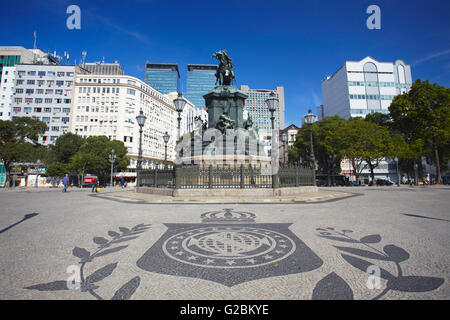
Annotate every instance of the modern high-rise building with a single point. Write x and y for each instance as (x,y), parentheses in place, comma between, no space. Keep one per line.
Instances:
(200,80)
(320,112)
(103,68)
(43,92)
(362,87)
(163,77)
(257,109)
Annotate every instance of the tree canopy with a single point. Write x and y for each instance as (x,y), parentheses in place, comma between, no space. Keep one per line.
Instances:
(18,141)
(66,146)
(93,156)
(365,144)
(327,139)
(422,117)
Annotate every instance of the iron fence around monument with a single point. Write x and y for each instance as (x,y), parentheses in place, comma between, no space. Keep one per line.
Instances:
(228,177)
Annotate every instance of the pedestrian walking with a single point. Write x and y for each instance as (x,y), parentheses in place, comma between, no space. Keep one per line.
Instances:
(65,182)
(424,181)
(122,182)
(95,185)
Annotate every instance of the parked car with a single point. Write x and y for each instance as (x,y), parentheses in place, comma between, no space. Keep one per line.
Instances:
(336,180)
(384,182)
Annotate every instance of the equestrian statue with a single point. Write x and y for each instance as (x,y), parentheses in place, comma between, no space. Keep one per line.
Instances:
(224,73)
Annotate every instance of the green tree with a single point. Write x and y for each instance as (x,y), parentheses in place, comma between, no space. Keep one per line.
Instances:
(381,119)
(66,146)
(423,113)
(327,140)
(365,144)
(57,169)
(18,140)
(93,156)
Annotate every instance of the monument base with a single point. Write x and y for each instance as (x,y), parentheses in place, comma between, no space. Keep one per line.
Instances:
(229,193)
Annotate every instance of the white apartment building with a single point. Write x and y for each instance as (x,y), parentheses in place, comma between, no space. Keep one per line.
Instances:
(362,87)
(108,105)
(39,91)
(291,133)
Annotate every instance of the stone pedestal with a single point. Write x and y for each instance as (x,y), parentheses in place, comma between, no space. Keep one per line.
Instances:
(225,100)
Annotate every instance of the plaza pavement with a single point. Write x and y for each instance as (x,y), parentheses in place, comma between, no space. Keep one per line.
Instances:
(317,247)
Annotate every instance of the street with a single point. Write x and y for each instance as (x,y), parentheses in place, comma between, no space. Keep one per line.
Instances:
(379,243)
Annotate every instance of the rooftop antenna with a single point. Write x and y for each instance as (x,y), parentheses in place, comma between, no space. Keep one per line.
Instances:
(83,60)
(66,55)
(34,47)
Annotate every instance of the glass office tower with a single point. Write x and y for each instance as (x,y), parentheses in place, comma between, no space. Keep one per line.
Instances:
(200,80)
(163,77)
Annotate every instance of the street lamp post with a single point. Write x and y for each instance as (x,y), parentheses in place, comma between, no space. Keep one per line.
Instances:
(141,121)
(179,102)
(112,159)
(310,118)
(37,173)
(166,138)
(398,172)
(272,103)
(284,139)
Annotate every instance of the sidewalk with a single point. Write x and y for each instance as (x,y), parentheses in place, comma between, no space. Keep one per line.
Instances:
(130,195)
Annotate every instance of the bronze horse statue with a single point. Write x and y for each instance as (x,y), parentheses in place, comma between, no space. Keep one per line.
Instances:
(224,74)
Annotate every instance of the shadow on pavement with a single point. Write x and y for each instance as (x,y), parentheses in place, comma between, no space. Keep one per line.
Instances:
(25,217)
(423,217)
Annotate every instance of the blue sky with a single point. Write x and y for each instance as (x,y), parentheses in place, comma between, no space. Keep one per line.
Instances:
(294,43)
